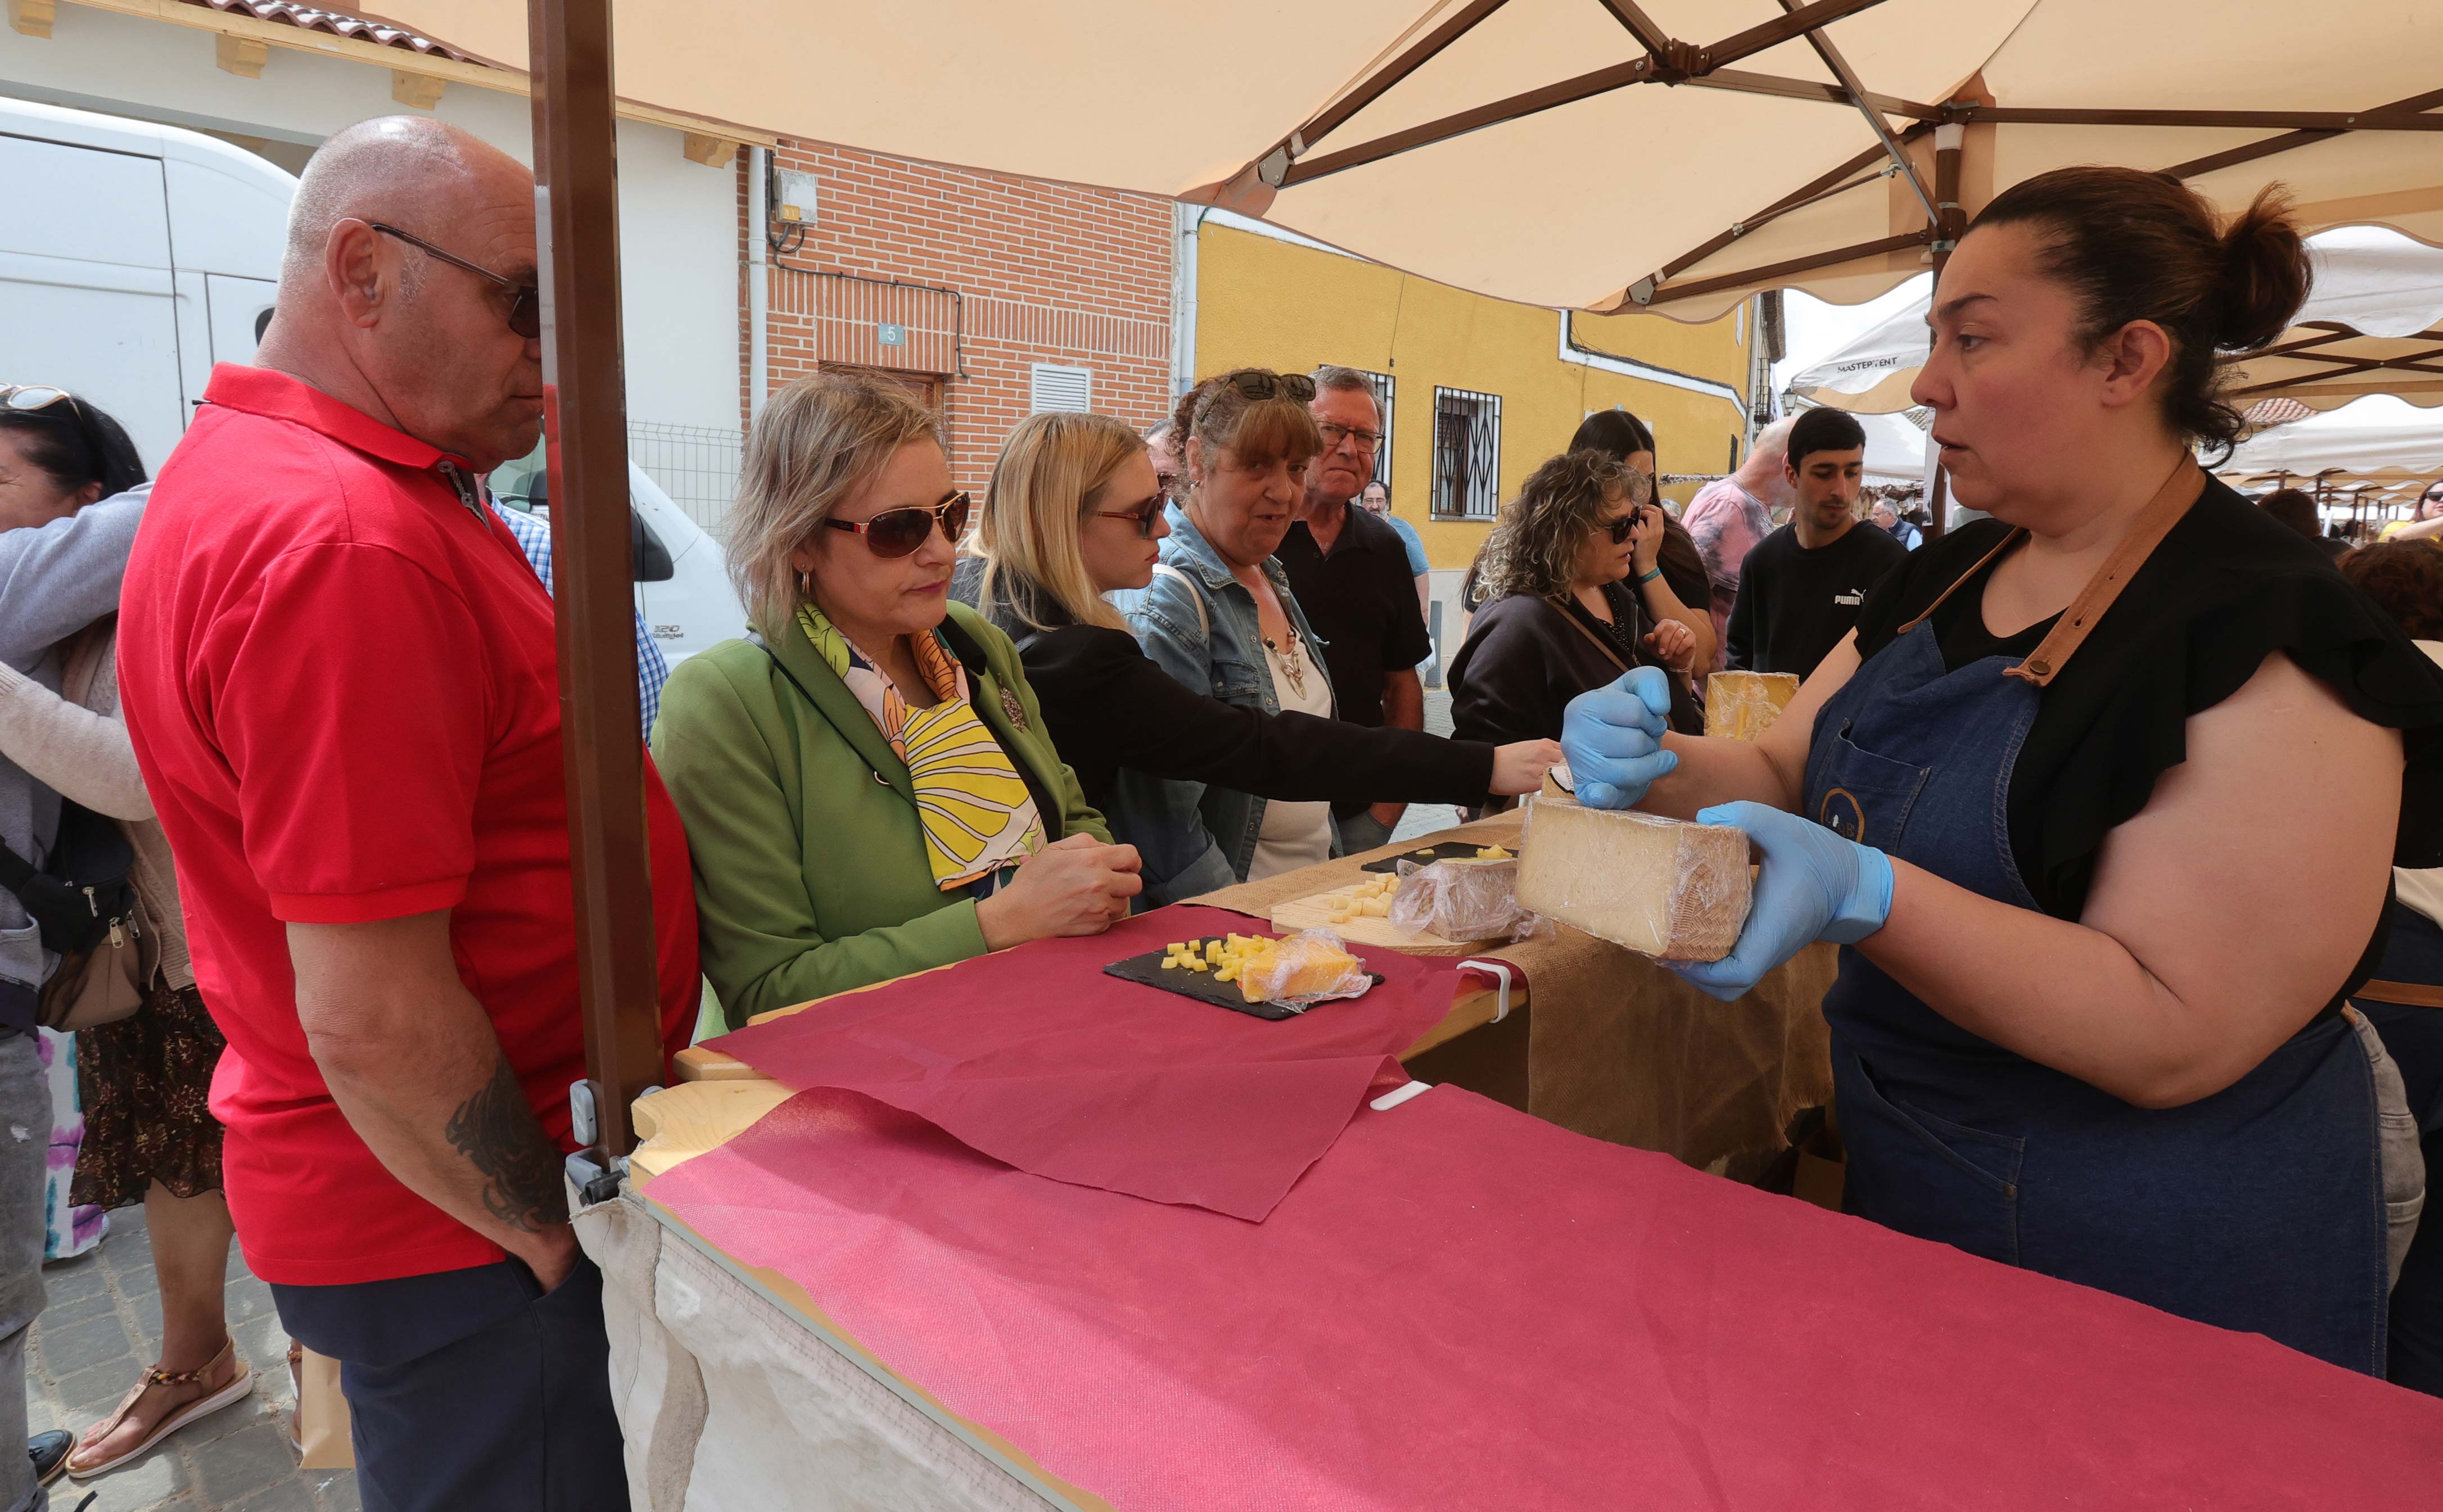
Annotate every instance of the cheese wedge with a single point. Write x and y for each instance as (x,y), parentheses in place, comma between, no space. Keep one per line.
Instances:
(1742,705)
(1660,886)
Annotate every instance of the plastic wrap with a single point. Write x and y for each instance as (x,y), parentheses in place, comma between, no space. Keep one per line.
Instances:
(1742,705)
(1303,969)
(1663,888)
(1461,901)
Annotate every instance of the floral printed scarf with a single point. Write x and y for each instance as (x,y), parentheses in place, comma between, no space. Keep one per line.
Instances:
(977,812)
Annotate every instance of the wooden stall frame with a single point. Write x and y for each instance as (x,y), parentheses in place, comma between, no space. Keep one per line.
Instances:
(585,428)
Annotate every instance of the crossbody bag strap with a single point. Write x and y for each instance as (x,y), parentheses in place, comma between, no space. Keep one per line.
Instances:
(1196,594)
(782,667)
(1601,644)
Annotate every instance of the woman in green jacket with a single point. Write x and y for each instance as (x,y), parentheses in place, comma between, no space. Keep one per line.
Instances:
(865,780)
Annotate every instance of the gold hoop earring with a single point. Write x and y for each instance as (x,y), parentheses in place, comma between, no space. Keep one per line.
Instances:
(805,584)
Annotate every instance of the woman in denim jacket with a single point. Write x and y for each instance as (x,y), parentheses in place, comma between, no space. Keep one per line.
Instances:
(1220,617)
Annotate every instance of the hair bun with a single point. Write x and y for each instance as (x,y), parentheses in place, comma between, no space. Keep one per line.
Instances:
(2266,274)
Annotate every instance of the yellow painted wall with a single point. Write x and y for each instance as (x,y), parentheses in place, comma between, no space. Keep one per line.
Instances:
(1262,302)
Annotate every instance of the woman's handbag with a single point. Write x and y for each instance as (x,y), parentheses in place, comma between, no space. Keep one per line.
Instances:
(108,982)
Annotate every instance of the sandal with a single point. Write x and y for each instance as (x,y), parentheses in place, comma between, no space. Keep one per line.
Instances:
(240,1385)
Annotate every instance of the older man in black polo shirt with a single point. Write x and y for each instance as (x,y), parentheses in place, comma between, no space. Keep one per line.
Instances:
(1349,572)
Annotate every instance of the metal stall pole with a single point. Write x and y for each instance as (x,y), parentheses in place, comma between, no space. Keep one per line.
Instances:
(585,417)
(1950,221)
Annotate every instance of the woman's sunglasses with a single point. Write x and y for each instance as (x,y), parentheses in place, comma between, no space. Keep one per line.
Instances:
(1142,515)
(25,398)
(897,533)
(525,308)
(1255,383)
(1619,529)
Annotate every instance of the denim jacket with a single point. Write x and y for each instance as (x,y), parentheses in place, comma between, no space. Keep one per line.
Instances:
(1198,623)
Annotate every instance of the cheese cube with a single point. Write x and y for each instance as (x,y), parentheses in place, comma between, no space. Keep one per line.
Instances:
(1742,705)
(1660,886)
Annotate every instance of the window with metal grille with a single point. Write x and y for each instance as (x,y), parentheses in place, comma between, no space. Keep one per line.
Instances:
(1467,454)
(1384,388)
(1052,386)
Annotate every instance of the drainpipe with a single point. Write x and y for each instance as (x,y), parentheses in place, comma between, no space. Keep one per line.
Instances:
(1184,220)
(759,279)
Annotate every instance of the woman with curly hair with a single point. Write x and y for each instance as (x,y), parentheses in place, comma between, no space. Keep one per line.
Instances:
(1559,619)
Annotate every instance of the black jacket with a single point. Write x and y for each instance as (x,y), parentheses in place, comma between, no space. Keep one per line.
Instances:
(1526,658)
(1107,705)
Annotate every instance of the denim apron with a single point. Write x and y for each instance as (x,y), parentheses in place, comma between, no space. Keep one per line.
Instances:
(2260,1207)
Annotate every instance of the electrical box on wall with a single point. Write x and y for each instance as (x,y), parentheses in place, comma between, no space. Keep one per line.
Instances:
(793,197)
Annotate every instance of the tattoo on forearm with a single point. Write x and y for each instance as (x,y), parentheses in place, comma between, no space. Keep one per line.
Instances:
(496,1132)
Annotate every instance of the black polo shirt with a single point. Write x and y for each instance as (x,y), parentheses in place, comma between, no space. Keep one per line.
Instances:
(1361,599)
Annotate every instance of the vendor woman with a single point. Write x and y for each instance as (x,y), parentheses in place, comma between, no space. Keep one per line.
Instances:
(2102,794)
(867,786)
(1076,512)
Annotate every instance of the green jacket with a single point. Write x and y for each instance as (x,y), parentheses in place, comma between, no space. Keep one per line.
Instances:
(810,871)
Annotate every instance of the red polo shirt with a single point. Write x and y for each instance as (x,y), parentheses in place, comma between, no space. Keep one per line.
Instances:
(341,683)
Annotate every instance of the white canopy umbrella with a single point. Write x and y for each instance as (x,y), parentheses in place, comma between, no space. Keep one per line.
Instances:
(1520,148)
(2374,324)
(2378,441)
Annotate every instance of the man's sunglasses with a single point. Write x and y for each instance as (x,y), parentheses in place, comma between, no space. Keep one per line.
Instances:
(525,310)
(1142,515)
(897,533)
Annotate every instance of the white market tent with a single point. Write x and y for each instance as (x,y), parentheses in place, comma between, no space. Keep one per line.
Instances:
(2374,324)
(1673,155)
(2379,442)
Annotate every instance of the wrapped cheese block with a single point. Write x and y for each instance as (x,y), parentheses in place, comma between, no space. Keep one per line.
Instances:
(1661,886)
(1460,900)
(1743,706)
(1301,968)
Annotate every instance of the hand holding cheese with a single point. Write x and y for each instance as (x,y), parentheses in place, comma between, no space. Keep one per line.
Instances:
(1813,885)
(1520,767)
(1613,738)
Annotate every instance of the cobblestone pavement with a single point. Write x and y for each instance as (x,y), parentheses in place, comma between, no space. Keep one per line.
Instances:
(102,1327)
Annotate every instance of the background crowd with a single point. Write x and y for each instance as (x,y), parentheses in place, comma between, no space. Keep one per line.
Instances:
(1139,668)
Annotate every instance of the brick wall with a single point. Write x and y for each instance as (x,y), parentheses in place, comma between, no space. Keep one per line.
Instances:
(986,275)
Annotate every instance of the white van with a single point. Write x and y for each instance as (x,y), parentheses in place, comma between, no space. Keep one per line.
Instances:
(133,256)
(681,581)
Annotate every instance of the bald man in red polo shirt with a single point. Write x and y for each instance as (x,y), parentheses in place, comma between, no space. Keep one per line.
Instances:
(339,671)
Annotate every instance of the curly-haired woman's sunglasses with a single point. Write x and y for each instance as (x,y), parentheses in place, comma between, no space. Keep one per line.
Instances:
(897,533)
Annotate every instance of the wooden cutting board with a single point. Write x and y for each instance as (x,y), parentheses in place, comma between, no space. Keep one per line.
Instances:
(1315,913)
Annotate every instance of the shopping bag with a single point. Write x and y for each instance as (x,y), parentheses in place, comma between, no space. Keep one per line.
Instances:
(319,1431)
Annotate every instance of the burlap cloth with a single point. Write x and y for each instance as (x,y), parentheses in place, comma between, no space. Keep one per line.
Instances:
(1621,1048)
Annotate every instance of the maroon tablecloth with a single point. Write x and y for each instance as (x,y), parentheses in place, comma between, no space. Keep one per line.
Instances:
(1037,1058)
(1460,1306)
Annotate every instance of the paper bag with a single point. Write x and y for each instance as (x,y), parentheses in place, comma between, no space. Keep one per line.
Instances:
(318,1431)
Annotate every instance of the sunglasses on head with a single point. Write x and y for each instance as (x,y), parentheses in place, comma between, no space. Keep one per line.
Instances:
(897,533)
(27,397)
(1142,515)
(1255,383)
(525,311)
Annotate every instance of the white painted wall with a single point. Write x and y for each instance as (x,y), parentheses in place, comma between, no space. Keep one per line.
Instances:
(679,219)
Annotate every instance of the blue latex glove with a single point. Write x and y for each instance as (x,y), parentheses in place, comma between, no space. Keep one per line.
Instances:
(1611,737)
(1813,885)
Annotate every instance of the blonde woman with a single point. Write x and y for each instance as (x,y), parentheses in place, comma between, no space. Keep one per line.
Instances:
(1076,512)
(867,786)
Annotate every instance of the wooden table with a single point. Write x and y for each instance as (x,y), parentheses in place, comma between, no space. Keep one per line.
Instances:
(1611,1043)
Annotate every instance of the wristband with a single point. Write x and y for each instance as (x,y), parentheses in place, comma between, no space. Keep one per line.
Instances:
(1649,576)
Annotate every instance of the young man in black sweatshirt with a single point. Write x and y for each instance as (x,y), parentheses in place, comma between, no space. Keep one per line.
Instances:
(1800,589)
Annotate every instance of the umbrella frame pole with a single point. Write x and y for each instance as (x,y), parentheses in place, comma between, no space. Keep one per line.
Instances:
(586,431)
